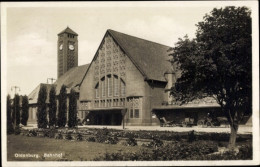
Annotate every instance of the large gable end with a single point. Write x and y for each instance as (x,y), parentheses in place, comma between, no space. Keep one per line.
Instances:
(110,58)
(150,58)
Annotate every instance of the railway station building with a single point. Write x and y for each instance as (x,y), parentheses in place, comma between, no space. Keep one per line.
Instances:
(128,79)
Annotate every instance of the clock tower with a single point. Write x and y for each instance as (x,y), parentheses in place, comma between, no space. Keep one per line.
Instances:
(67,51)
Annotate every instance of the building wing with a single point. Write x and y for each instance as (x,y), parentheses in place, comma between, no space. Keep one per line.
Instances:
(71,78)
(33,96)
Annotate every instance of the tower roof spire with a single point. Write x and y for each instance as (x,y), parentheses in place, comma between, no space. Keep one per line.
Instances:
(69,31)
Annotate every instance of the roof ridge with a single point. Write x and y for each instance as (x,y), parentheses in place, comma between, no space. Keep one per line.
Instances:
(139,38)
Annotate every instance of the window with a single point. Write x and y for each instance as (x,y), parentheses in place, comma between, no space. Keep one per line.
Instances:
(103,103)
(115,102)
(109,103)
(97,90)
(109,85)
(122,102)
(115,86)
(103,87)
(122,88)
(136,113)
(134,106)
(96,103)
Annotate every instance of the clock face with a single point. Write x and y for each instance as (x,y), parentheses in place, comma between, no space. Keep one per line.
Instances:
(61,46)
(71,47)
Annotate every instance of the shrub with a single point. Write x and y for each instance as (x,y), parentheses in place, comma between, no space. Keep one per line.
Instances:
(245,153)
(101,138)
(51,133)
(79,137)
(191,136)
(62,107)
(32,133)
(59,136)
(155,143)
(131,141)
(46,133)
(178,151)
(103,131)
(17,130)
(16,110)
(104,136)
(168,135)
(25,110)
(68,136)
(42,121)
(111,140)
(91,139)
(52,107)
(72,116)
(9,128)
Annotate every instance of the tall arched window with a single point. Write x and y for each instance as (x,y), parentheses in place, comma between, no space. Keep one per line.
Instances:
(109,86)
(122,83)
(116,86)
(103,89)
(97,90)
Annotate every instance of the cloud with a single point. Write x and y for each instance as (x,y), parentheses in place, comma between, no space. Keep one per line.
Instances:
(30,60)
(30,49)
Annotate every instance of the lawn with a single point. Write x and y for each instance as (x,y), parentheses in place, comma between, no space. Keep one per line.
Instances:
(71,150)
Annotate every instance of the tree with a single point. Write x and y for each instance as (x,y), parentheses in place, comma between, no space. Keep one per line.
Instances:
(16,110)
(25,110)
(62,109)
(10,128)
(218,63)
(42,107)
(72,109)
(52,107)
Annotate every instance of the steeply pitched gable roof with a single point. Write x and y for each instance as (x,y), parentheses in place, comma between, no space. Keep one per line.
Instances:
(150,58)
(71,78)
(33,96)
(68,30)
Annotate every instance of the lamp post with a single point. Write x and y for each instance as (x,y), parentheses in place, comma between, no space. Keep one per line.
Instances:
(15,87)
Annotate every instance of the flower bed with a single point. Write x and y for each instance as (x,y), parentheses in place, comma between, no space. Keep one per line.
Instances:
(110,136)
(179,151)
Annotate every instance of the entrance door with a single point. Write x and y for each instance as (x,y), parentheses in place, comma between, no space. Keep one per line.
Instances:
(105,117)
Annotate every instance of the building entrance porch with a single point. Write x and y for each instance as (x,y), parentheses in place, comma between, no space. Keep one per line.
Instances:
(105,117)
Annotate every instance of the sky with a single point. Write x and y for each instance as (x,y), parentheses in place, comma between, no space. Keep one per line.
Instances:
(31,33)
